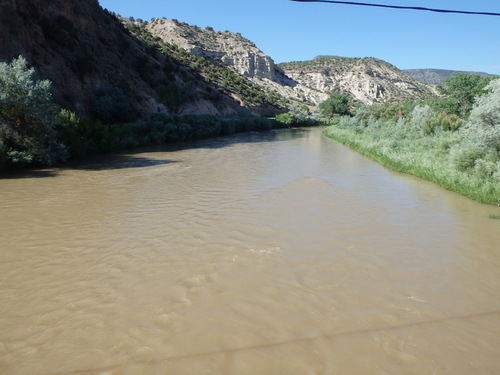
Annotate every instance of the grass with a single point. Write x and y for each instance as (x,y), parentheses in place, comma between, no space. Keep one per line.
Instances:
(402,147)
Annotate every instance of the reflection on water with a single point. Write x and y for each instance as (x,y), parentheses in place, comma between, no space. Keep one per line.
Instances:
(266,253)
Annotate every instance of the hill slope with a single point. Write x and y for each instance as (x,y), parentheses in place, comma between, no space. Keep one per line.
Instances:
(84,49)
(435,76)
(225,48)
(368,80)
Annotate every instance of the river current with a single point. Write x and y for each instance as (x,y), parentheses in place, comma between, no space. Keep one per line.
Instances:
(264,253)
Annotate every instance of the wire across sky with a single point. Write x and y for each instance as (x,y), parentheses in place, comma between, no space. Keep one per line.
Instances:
(401,7)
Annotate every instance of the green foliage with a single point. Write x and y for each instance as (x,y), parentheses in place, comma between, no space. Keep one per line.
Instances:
(169,95)
(174,96)
(285,118)
(441,121)
(483,126)
(336,104)
(87,137)
(463,88)
(419,114)
(110,104)
(27,117)
(432,144)
(297,116)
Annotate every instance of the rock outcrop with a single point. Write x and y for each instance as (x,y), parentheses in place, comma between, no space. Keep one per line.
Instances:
(367,80)
(218,46)
(237,52)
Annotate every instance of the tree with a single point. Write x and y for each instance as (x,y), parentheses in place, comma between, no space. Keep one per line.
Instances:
(27,117)
(483,126)
(336,104)
(464,88)
(110,105)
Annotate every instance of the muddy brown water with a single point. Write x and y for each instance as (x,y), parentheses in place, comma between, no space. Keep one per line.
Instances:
(264,253)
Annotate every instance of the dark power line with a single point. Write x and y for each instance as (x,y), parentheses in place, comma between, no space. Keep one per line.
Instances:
(400,7)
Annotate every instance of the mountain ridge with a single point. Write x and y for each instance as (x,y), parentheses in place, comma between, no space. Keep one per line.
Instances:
(83,48)
(436,76)
(373,80)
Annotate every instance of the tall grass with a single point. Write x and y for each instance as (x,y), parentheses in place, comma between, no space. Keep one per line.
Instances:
(446,157)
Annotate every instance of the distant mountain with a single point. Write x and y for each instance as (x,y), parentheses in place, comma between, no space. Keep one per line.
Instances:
(367,80)
(435,76)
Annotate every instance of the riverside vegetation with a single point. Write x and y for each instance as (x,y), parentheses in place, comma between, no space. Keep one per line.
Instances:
(36,131)
(453,140)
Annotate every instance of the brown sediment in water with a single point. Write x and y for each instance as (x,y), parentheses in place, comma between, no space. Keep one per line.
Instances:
(262,253)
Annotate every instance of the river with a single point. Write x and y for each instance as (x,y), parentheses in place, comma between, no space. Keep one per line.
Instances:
(263,253)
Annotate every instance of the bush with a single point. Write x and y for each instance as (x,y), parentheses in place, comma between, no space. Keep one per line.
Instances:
(419,114)
(442,121)
(296,116)
(27,117)
(483,126)
(168,95)
(110,104)
(336,104)
(463,89)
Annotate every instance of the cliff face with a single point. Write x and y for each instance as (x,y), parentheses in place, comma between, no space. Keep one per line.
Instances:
(237,52)
(82,48)
(368,80)
(218,46)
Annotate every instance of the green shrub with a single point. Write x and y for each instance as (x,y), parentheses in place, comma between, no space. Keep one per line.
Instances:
(463,89)
(443,121)
(483,126)
(285,119)
(336,104)
(296,116)
(27,117)
(110,104)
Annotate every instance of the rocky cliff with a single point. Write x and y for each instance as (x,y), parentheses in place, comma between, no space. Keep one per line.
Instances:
(367,80)
(233,50)
(218,46)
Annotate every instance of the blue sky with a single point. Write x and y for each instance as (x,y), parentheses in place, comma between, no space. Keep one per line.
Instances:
(296,31)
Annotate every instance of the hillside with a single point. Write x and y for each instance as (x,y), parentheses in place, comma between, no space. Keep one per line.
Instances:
(86,52)
(166,65)
(219,76)
(367,80)
(225,48)
(435,76)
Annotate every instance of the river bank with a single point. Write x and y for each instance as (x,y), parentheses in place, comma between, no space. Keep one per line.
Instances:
(404,149)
